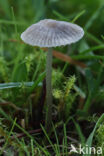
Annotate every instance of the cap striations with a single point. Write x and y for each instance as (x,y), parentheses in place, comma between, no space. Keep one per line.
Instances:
(52,33)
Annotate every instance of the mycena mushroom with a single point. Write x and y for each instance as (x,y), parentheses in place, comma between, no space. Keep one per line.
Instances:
(51,33)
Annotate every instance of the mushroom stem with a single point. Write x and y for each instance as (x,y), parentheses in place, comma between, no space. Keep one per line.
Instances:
(48,89)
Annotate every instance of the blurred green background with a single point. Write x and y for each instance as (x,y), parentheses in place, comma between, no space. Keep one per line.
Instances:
(31,11)
(17,60)
(21,63)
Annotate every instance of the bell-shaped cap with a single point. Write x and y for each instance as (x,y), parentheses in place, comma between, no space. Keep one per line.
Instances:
(52,33)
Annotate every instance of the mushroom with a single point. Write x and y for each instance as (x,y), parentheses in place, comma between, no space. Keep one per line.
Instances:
(51,33)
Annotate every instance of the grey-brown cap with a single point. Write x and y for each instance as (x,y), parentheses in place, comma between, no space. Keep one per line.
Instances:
(52,33)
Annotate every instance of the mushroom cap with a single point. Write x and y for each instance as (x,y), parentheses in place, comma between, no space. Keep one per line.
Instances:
(52,33)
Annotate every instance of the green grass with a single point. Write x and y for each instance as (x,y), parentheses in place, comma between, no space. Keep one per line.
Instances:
(78,93)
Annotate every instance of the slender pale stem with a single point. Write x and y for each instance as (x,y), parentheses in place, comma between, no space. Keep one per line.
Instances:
(49,89)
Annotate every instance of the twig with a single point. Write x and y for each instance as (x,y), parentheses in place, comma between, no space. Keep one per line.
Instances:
(20,135)
(10,104)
